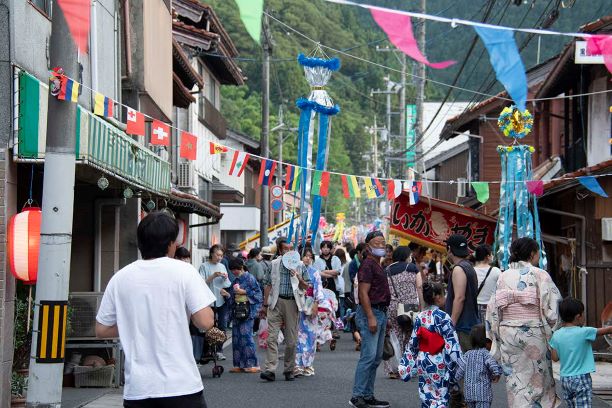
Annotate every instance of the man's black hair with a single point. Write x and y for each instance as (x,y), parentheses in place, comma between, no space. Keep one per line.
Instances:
(401,254)
(479,336)
(569,308)
(253,253)
(326,243)
(155,233)
(360,246)
(235,263)
(280,241)
(182,253)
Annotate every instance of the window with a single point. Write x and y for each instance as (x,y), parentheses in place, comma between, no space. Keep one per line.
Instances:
(44,6)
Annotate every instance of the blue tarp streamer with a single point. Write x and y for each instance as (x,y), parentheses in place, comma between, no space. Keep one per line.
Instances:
(506,62)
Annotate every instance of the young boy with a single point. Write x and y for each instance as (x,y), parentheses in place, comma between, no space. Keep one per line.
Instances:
(571,344)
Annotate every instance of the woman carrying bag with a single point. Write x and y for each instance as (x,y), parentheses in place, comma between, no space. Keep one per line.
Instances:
(487,277)
(245,299)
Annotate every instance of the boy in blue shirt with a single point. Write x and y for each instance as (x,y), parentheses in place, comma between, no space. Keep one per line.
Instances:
(571,344)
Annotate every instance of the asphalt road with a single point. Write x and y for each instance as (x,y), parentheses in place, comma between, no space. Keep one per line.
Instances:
(330,387)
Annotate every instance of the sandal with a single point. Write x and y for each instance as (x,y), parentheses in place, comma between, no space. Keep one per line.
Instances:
(237,370)
(252,370)
(332,345)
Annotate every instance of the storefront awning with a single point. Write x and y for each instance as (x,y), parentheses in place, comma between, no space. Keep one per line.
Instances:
(184,202)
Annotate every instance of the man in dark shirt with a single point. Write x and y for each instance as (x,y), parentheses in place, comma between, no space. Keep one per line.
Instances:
(371,319)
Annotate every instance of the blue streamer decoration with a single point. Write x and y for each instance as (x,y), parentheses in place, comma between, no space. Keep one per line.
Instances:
(333,64)
(321,150)
(303,128)
(304,103)
(506,62)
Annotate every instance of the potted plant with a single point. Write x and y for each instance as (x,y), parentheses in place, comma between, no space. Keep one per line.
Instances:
(19,386)
(22,343)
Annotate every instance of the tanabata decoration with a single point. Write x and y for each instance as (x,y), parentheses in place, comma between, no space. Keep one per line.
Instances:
(514,123)
(318,71)
(517,206)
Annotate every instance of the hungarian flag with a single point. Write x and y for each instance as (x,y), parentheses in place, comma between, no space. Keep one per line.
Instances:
(320,183)
(217,148)
(414,191)
(69,90)
(373,187)
(350,187)
(394,189)
(266,172)
(103,106)
(160,133)
(239,163)
(135,122)
(292,179)
(189,146)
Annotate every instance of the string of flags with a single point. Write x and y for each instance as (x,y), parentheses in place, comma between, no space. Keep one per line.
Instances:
(374,187)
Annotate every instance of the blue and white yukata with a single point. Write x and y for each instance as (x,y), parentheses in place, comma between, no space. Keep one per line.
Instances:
(308,327)
(435,371)
(478,368)
(243,345)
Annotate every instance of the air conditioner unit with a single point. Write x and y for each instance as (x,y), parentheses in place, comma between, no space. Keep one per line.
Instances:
(185,175)
(83,307)
(461,187)
(606,229)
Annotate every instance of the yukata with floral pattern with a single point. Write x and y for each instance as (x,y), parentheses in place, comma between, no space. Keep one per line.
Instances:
(308,326)
(243,345)
(520,318)
(435,371)
(326,316)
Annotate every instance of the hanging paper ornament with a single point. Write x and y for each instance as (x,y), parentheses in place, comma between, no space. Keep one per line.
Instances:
(23,244)
(517,206)
(514,123)
(103,183)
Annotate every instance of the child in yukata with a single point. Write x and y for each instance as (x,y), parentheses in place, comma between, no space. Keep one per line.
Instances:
(433,350)
(479,369)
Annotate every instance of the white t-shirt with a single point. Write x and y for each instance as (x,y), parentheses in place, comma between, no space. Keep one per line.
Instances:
(151,302)
(488,289)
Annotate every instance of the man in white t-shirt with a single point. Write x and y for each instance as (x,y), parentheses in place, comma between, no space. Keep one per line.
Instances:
(148,305)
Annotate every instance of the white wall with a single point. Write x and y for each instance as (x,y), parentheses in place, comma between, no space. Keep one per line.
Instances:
(598,140)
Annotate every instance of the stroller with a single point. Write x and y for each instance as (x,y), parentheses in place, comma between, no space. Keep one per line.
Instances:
(215,337)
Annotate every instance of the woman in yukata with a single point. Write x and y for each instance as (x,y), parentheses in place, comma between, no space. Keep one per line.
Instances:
(433,351)
(244,289)
(308,326)
(520,318)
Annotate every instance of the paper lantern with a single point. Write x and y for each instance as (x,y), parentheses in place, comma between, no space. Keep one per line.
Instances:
(24,244)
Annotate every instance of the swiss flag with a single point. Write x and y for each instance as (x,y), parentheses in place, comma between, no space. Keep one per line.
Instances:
(160,133)
(189,146)
(135,122)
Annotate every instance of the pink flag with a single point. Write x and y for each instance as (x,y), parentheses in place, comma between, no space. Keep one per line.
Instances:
(601,45)
(535,187)
(398,28)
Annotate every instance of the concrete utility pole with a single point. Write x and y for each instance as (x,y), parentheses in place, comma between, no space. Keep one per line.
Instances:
(420,97)
(45,379)
(265,126)
(281,124)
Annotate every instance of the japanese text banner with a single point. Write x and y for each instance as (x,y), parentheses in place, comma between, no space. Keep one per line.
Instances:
(430,222)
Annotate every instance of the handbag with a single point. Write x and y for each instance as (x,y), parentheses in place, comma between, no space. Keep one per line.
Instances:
(402,308)
(242,310)
(388,350)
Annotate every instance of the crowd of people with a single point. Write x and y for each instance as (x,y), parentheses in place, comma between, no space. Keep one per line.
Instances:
(456,332)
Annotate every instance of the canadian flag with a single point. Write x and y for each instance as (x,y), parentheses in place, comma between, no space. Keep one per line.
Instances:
(135,122)
(160,133)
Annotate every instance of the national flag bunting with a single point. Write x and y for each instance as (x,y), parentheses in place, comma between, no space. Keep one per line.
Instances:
(320,183)
(69,90)
(217,148)
(103,106)
(160,133)
(482,190)
(394,189)
(414,191)
(239,163)
(292,179)
(373,187)
(189,146)
(535,187)
(350,187)
(266,172)
(135,122)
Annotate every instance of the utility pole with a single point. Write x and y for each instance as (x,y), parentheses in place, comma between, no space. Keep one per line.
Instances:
(45,378)
(281,124)
(420,95)
(265,127)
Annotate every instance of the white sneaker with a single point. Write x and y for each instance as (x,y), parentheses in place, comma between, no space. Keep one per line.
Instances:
(220,357)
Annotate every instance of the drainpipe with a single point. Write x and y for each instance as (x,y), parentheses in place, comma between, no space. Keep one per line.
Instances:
(99,204)
(583,271)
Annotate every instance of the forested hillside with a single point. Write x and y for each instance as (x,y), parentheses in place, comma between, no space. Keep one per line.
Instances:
(351,29)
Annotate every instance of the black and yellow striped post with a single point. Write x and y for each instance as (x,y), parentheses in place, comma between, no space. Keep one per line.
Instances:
(51,331)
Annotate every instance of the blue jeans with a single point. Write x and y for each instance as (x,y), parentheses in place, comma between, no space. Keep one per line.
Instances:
(371,352)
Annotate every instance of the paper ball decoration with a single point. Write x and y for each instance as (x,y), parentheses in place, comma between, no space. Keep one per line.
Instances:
(514,123)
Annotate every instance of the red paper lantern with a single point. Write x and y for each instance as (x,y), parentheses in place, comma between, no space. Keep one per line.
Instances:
(24,244)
